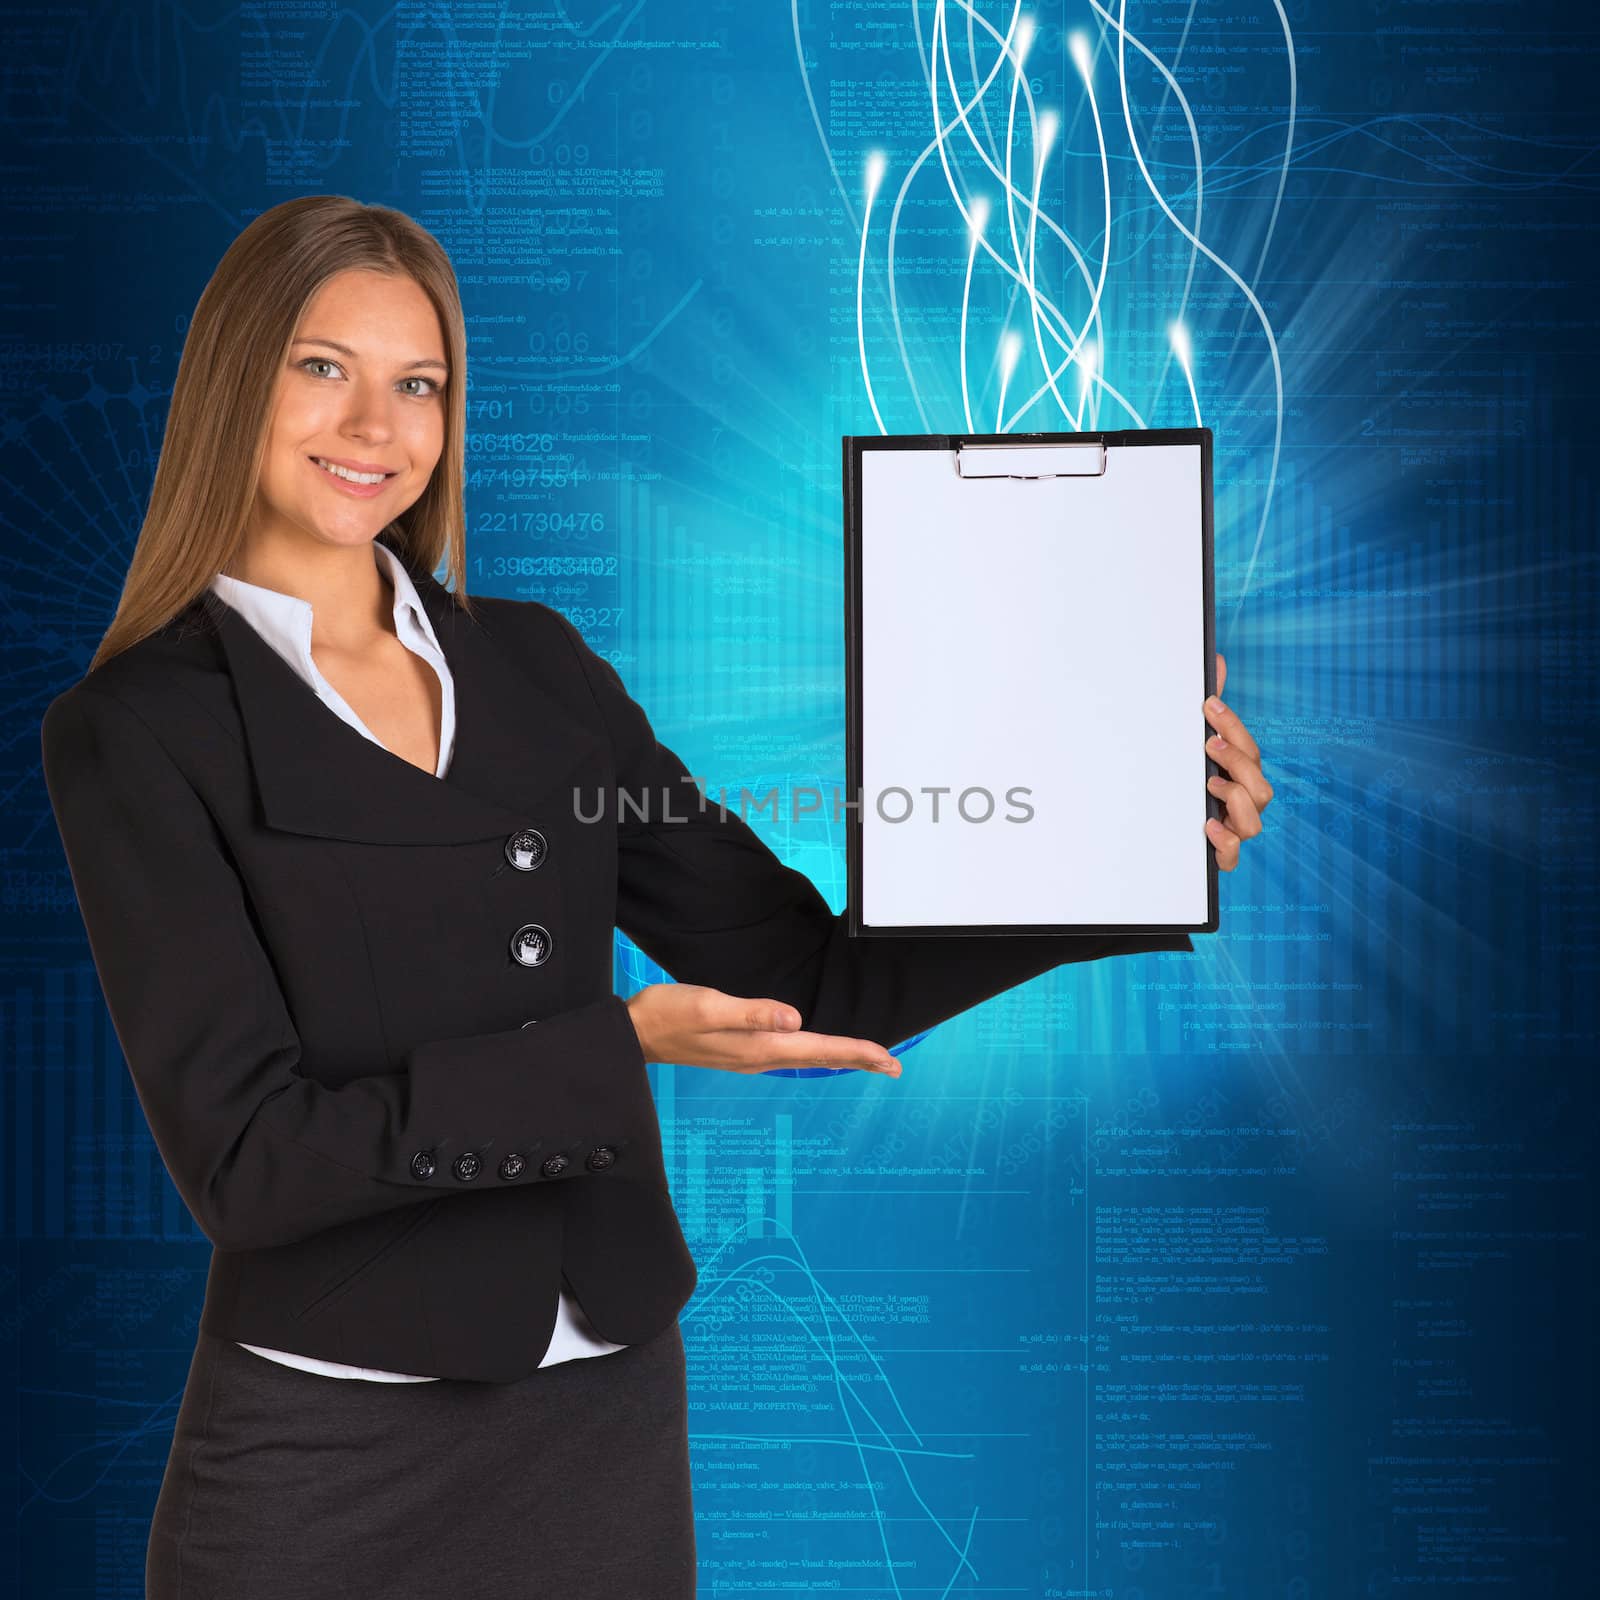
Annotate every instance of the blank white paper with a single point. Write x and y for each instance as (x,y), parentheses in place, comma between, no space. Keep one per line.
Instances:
(1045,635)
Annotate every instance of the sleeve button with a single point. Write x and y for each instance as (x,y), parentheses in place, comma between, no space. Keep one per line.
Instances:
(466,1167)
(554,1166)
(600,1159)
(512,1166)
(422,1165)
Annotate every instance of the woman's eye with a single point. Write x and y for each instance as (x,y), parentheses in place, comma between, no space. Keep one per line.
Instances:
(434,386)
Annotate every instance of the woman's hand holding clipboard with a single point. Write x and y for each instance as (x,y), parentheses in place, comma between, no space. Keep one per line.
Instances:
(1029,623)
(1247,793)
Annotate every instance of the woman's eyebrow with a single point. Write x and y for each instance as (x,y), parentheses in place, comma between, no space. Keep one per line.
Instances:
(345,350)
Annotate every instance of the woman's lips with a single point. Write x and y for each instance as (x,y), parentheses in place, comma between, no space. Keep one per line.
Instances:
(362,491)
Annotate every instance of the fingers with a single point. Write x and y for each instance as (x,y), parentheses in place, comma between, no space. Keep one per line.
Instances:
(741,1034)
(771,1016)
(1245,792)
(713,1009)
(1247,774)
(1243,761)
(1243,818)
(776,1016)
(1226,843)
(1233,731)
(824,1050)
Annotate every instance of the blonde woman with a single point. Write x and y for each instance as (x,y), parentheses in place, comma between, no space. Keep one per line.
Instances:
(355,931)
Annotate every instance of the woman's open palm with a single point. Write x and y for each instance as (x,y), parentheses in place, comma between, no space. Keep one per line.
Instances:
(696,1026)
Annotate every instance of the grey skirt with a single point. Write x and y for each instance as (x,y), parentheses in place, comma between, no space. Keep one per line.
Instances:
(284,1484)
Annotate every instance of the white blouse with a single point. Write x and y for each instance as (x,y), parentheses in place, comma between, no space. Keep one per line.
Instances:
(284,621)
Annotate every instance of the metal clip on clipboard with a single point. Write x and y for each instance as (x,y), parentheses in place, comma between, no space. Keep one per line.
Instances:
(1053,460)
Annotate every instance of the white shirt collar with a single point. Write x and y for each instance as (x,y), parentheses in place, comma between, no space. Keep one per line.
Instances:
(284,621)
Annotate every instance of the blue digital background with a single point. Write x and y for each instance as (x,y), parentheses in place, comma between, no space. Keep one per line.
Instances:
(1261,1271)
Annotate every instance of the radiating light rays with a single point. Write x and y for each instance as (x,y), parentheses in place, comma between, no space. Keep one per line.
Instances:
(873,172)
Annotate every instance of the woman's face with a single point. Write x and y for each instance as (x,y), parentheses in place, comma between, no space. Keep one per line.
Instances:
(362,387)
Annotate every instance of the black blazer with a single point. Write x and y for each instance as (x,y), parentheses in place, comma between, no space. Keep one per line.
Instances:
(319,964)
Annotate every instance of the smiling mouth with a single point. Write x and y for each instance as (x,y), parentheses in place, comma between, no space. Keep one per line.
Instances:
(362,480)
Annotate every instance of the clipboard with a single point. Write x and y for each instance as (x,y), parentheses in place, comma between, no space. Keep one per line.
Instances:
(1030,632)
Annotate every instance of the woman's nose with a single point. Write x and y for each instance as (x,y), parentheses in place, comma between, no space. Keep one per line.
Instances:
(370,416)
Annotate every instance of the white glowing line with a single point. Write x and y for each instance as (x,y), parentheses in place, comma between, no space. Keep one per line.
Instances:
(1080,55)
(1010,346)
(980,217)
(940,129)
(940,25)
(1194,146)
(1288,140)
(1243,287)
(1025,24)
(894,220)
(972,60)
(874,176)
(1029,282)
(1045,303)
(1024,277)
(1088,359)
(1044,129)
(1018,56)
(1041,143)
(1283,169)
(1181,348)
(972,16)
(1041,150)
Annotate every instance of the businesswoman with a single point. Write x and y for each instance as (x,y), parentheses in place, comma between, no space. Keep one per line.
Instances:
(332,828)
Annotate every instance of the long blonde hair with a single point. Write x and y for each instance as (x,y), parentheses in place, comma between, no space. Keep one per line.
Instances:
(220,414)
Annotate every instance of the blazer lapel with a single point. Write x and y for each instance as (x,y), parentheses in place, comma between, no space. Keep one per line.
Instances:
(516,745)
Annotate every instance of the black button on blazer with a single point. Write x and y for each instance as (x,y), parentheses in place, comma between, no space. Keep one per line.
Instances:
(315,957)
